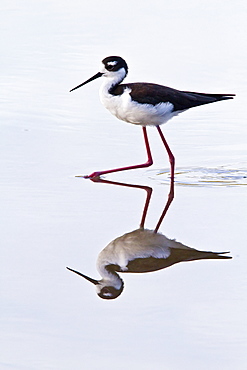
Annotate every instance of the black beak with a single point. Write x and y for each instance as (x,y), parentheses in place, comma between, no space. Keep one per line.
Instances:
(95,282)
(99,74)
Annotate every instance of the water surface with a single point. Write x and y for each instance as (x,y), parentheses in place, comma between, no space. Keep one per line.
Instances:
(188,316)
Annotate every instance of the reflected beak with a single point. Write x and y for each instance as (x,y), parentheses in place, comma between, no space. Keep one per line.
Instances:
(95,282)
(99,74)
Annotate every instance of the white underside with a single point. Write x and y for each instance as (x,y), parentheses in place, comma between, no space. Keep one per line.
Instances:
(130,111)
(140,243)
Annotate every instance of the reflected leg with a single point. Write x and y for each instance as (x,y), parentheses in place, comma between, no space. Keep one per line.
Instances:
(168,203)
(146,188)
(148,197)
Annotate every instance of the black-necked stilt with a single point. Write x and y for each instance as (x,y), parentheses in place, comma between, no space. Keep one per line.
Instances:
(141,250)
(144,104)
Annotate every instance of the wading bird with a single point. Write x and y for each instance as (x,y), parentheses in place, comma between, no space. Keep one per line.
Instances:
(144,104)
(140,251)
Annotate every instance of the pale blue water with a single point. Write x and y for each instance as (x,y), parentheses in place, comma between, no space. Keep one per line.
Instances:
(188,316)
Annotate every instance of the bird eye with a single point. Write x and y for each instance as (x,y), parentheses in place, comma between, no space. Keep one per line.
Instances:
(111,65)
(105,291)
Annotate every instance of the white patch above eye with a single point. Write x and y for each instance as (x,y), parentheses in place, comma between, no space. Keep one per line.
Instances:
(107,294)
(113,63)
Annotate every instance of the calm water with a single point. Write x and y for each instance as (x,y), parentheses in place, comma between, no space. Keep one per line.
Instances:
(188,316)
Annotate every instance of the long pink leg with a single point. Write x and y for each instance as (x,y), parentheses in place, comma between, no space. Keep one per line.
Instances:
(171,156)
(146,164)
(168,203)
(148,197)
(171,193)
(146,188)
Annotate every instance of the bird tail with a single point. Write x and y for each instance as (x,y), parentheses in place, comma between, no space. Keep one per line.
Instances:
(217,97)
(208,255)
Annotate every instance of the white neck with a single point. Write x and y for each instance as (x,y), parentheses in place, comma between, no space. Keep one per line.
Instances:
(112,79)
(109,278)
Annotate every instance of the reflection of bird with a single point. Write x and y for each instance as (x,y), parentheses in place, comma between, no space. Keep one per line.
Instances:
(144,103)
(141,250)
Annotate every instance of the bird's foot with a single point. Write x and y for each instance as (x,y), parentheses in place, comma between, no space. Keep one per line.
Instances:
(93,176)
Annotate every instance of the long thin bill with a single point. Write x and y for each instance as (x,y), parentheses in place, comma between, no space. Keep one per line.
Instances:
(99,74)
(95,282)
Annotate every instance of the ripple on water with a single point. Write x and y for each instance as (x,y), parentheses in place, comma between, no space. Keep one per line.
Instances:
(201,176)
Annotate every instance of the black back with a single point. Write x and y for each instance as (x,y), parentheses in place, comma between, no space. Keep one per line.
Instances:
(148,93)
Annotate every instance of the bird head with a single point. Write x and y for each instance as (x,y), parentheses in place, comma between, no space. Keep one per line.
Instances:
(113,67)
(103,287)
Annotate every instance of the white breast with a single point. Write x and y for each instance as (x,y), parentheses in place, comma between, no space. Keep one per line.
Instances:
(140,243)
(130,111)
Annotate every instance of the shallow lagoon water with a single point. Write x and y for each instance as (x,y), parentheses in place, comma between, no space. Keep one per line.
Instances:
(189,316)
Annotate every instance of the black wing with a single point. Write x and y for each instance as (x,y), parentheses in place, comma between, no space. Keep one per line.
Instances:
(148,93)
(177,255)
